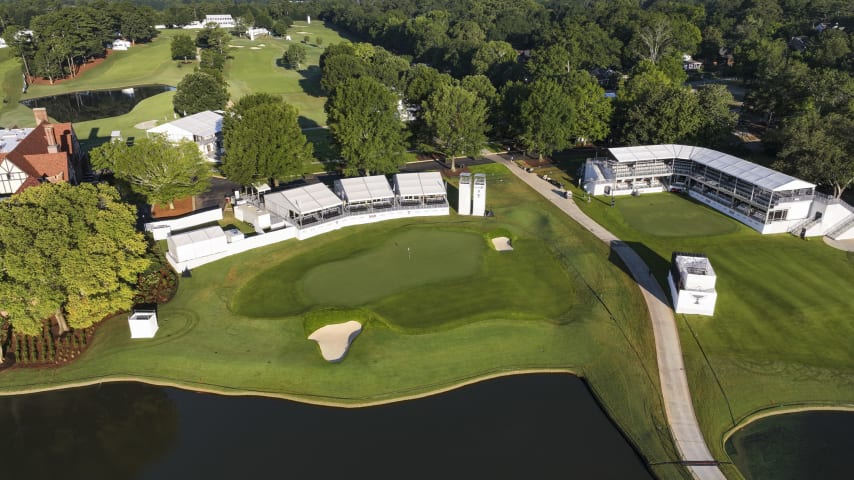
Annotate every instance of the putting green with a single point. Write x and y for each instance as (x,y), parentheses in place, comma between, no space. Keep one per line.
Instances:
(405,261)
(669,215)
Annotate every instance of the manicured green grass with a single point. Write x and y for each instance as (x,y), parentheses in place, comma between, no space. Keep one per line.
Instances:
(559,303)
(782,327)
(665,215)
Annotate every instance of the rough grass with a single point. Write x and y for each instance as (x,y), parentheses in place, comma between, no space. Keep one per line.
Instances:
(204,343)
(782,329)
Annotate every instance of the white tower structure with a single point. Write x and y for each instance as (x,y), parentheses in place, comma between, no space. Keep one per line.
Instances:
(464,203)
(692,284)
(479,195)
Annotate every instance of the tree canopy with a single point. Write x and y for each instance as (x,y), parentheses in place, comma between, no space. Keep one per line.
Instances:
(457,120)
(81,269)
(263,140)
(199,91)
(155,168)
(366,126)
(183,47)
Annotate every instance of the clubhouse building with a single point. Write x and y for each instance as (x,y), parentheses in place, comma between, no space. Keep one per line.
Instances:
(764,199)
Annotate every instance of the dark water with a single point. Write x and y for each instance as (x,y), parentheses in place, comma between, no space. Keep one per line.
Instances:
(529,426)
(94,104)
(801,445)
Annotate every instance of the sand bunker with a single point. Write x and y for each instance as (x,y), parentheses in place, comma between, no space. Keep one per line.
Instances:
(254,48)
(502,244)
(302,33)
(261,45)
(335,339)
(146,124)
(236,46)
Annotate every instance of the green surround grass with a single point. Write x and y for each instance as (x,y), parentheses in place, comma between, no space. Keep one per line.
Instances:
(661,215)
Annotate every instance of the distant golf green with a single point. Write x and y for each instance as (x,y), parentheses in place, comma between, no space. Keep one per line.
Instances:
(405,261)
(668,215)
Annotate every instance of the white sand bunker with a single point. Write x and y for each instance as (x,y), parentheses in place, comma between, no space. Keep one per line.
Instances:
(261,45)
(502,244)
(146,124)
(254,48)
(302,33)
(334,340)
(236,46)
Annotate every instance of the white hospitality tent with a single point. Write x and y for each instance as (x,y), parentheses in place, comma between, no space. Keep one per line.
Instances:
(197,243)
(420,188)
(143,323)
(305,205)
(365,193)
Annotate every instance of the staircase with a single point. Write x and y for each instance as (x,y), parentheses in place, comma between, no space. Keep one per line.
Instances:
(841,227)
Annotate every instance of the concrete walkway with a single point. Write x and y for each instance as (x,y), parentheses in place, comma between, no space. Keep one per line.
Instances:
(671,369)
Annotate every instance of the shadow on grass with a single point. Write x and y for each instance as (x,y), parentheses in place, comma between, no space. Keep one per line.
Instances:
(453,195)
(305,122)
(310,81)
(654,266)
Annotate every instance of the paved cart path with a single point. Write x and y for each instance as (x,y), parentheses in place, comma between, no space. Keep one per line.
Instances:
(686,432)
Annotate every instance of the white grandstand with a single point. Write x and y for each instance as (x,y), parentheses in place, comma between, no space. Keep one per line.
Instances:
(763,199)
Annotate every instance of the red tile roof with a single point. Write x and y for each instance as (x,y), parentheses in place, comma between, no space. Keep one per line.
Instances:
(31,154)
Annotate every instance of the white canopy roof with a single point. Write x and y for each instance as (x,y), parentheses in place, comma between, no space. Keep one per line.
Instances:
(304,200)
(366,189)
(419,184)
(197,236)
(202,124)
(742,169)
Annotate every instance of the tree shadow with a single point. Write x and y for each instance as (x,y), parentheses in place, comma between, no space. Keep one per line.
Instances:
(310,81)
(453,196)
(305,122)
(654,270)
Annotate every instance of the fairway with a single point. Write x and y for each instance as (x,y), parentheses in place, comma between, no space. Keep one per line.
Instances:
(671,215)
(405,261)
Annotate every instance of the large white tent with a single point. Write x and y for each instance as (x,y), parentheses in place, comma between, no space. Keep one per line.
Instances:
(197,243)
(420,188)
(365,192)
(305,205)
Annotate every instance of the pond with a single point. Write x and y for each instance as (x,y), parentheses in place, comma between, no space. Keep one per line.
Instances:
(95,104)
(527,426)
(813,444)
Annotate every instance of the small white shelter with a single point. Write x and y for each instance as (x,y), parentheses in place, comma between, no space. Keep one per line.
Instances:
(419,189)
(143,323)
(254,33)
(464,201)
(692,284)
(221,20)
(478,198)
(203,128)
(305,205)
(362,194)
(197,243)
(120,44)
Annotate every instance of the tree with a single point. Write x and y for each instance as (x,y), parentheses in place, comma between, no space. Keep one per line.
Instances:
(79,270)
(21,45)
(457,119)
(366,126)
(338,68)
(156,168)
(183,47)
(137,23)
(199,91)
(818,148)
(263,140)
(294,55)
(591,110)
(546,117)
(496,60)
(718,121)
(213,37)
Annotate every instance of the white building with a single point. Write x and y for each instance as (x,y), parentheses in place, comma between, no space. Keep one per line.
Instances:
(763,199)
(120,44)
(143,323)
(464,202)
(203,128)
(221,20)
(254,33)
(692,284)
(689,64)
(365,194)
(196,243)
(478,197)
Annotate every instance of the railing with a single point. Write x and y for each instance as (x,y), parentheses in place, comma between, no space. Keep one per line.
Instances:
(804,224)
(842,227)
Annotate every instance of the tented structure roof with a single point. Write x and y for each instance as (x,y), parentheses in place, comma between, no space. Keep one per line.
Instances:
(305,200)
(742,169)
(197,236)
(366,189)
(202,124)
(421,184)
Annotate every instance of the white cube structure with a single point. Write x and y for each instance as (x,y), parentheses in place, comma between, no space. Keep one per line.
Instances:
(197,243)
(478,201)
(464,203)
(692,284)
(143,324)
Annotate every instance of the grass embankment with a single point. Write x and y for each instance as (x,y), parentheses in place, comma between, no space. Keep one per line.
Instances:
(253,68)
(781,333)
(555,303)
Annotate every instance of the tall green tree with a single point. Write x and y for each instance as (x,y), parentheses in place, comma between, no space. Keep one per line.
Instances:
(81,269)
(547,118)
(183,47)
(366,126)
(294,55)
(263,140)
(457,119)
(199,91)
(155,168)
(717,120)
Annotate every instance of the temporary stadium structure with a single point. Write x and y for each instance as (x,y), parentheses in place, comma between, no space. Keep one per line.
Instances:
(464,202)
(420,189)
(692,284)
(365,194)
(478,200)
(203,128)
(763,199)
(142,323)
(196,243)
(305,205)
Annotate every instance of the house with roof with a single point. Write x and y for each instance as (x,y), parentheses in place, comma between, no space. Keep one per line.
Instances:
(29,157)
(203,128)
